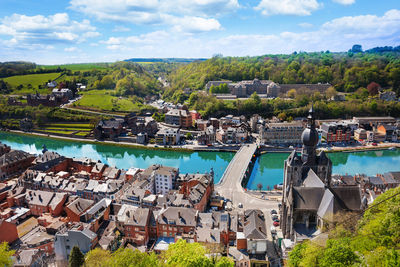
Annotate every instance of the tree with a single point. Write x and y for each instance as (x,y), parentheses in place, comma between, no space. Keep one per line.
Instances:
(259,186)
(338,253)
(225,262)
(292,93)
(331,92)
(76,258)
(373,88)
(282,116)
(5,255)
(97,258)
(356,48)
(189,136)
(125,257)
(256,98)
(182,254)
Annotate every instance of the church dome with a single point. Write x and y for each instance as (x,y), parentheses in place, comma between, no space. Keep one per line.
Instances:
(310,137)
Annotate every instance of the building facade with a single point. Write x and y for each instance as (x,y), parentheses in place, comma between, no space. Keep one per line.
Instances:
(279,133)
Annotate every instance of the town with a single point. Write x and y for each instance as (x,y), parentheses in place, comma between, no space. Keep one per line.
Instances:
(186,128)
(51,203)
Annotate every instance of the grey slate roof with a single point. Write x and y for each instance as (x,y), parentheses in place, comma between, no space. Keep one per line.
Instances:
(80,205)
(307,198)
(254,226)
(312,180)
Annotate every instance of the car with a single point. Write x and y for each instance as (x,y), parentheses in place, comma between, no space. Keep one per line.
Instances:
(374,144)
(276,219)
(273,212)
(240,205)
(273,230)
(276,223)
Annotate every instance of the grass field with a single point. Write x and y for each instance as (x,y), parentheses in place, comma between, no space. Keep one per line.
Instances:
(33,79)
(77,67)
(102,100)
(78,129)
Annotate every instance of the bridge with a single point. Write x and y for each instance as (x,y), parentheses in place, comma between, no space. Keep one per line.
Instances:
(230,185)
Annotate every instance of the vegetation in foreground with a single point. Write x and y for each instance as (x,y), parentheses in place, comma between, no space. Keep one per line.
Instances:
(374,240)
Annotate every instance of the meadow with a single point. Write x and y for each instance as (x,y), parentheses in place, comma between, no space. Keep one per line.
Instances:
(102,100)
(78,129)
(33,79)
(77,67)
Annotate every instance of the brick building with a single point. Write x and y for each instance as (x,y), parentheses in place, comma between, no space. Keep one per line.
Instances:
(179,117)
(8,231)
(77,208)
(134,223)
(278,133)
(38,201)
(336,132)
(14,162)
(176,221)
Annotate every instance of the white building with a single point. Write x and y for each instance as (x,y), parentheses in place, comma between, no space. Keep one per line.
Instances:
(164,179)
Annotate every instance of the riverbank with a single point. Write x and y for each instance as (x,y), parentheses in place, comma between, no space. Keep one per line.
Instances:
(185,148)
(93,141)
(122,157)
(378,147)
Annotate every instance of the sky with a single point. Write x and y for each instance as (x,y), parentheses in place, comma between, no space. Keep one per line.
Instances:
(75,31)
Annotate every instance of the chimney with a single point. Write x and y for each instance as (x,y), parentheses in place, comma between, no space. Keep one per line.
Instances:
(179,214)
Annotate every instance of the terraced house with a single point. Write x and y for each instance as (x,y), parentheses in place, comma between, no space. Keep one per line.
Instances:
(14,162)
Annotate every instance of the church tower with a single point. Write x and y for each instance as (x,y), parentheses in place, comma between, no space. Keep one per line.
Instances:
(297,167)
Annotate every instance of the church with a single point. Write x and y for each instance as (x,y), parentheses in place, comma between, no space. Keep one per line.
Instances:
(309,199)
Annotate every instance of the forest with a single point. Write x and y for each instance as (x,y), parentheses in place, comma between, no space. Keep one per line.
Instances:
(346,71)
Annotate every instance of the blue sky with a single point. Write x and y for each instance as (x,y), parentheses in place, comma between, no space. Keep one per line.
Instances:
(52,32)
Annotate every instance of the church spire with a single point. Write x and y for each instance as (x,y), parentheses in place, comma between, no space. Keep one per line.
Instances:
(310,140)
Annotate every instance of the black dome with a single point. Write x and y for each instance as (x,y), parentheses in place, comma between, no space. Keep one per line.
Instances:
(310,137)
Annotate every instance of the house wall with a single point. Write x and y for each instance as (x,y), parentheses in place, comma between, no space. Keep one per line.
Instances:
(38,210)
(8,232)
(59,208)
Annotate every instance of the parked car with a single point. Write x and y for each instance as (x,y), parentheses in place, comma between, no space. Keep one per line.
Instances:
(276,223)
(374,144)
(274,217)
(240,205)
(273,230)
(273,212)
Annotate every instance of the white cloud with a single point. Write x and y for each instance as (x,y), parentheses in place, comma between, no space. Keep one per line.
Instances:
(119,28)
(195,24)
(40,31)
(305,25)
(335,35)
(71,49)
(288,7)
(345,2)
(199,14)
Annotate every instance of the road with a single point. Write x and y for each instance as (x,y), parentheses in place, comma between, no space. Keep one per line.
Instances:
(231,188)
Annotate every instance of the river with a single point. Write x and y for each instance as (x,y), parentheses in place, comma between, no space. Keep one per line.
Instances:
(268,169)
(123,157)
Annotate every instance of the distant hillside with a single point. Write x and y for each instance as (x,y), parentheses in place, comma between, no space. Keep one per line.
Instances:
(346,71)
(166,60)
